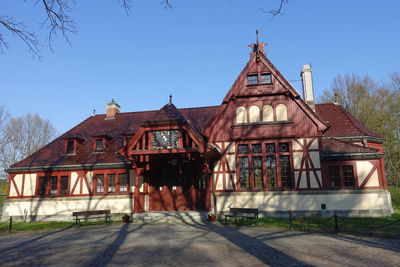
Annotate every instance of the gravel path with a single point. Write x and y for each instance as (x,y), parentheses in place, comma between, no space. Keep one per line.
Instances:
(194,244)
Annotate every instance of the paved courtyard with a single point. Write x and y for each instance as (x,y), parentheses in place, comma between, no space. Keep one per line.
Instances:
(192,244)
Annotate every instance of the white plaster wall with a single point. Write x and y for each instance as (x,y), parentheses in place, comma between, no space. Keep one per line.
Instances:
(268,113)
(314,144)
(74,177)
(254,114)
(363,168)
(30,184)
(314,155)
(241,115)
(65,206)
(18,182)
(269,201)
(296,146)
(297,157)
(219,183)
(231,162)
(281,112)
(231,149)
(373,180)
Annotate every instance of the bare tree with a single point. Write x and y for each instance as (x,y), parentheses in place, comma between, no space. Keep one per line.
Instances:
(23,136)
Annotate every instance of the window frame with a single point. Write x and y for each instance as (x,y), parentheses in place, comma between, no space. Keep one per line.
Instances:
(259,78)
(95,149)
(48,184)
(106,173)
(74,144)
(341,170)
(264,154)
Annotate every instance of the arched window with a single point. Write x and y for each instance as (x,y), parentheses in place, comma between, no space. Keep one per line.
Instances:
(281,112)
(268,113)
(241,116)
(254,114)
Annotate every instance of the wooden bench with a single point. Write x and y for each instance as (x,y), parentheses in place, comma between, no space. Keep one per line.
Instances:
(247,213)
(91,214)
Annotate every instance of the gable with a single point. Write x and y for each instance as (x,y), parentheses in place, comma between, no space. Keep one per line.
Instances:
(263,109)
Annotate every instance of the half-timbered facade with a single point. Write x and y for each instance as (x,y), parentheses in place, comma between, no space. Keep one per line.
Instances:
(264,147)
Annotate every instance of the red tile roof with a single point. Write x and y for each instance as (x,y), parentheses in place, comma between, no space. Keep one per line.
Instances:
(53,154)
(341,121)
(335,146)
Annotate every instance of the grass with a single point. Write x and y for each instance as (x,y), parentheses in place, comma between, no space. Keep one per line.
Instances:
(37,226)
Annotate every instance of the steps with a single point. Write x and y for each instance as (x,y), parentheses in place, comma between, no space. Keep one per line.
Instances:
(170,217)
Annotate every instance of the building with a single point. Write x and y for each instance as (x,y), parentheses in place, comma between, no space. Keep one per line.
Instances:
(264,147)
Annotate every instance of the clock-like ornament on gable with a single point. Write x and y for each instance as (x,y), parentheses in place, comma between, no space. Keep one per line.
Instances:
(166,139)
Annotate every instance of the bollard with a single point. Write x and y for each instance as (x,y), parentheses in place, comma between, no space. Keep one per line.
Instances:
(10,224)
(290,220)
(336,223)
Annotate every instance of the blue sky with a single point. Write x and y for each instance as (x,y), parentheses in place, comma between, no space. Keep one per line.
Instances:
(194,51)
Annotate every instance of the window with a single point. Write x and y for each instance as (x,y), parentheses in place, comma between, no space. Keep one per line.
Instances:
(258,173)
(64,185)
(348,176)
(341,176)
(111,183)
(252,79)
(70,147)
(243,149)
(99,183)
(123,182)
(334,177)
(266,78)
(244,173)
(271,172)
(286,177)
(43,185)
(99,145)
(265,165)
(53,185)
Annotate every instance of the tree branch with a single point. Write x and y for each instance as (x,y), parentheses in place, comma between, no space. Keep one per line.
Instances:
(277,11)
(58,19)
(19,29)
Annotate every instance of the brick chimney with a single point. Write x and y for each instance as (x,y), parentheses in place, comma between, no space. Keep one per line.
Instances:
(112,109)
(308,90)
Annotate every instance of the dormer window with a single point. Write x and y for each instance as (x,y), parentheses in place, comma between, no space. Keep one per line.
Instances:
(252,79)
(99,145)
(70,148)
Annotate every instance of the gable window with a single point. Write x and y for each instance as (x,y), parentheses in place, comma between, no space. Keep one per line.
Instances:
(252,79)
(99,145)
(70,147)
(266,78)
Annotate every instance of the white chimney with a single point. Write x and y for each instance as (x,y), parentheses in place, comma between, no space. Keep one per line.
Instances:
(112,109)
(308,91)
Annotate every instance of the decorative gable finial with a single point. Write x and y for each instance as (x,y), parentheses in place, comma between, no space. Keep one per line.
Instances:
(258,47)
(170,100)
